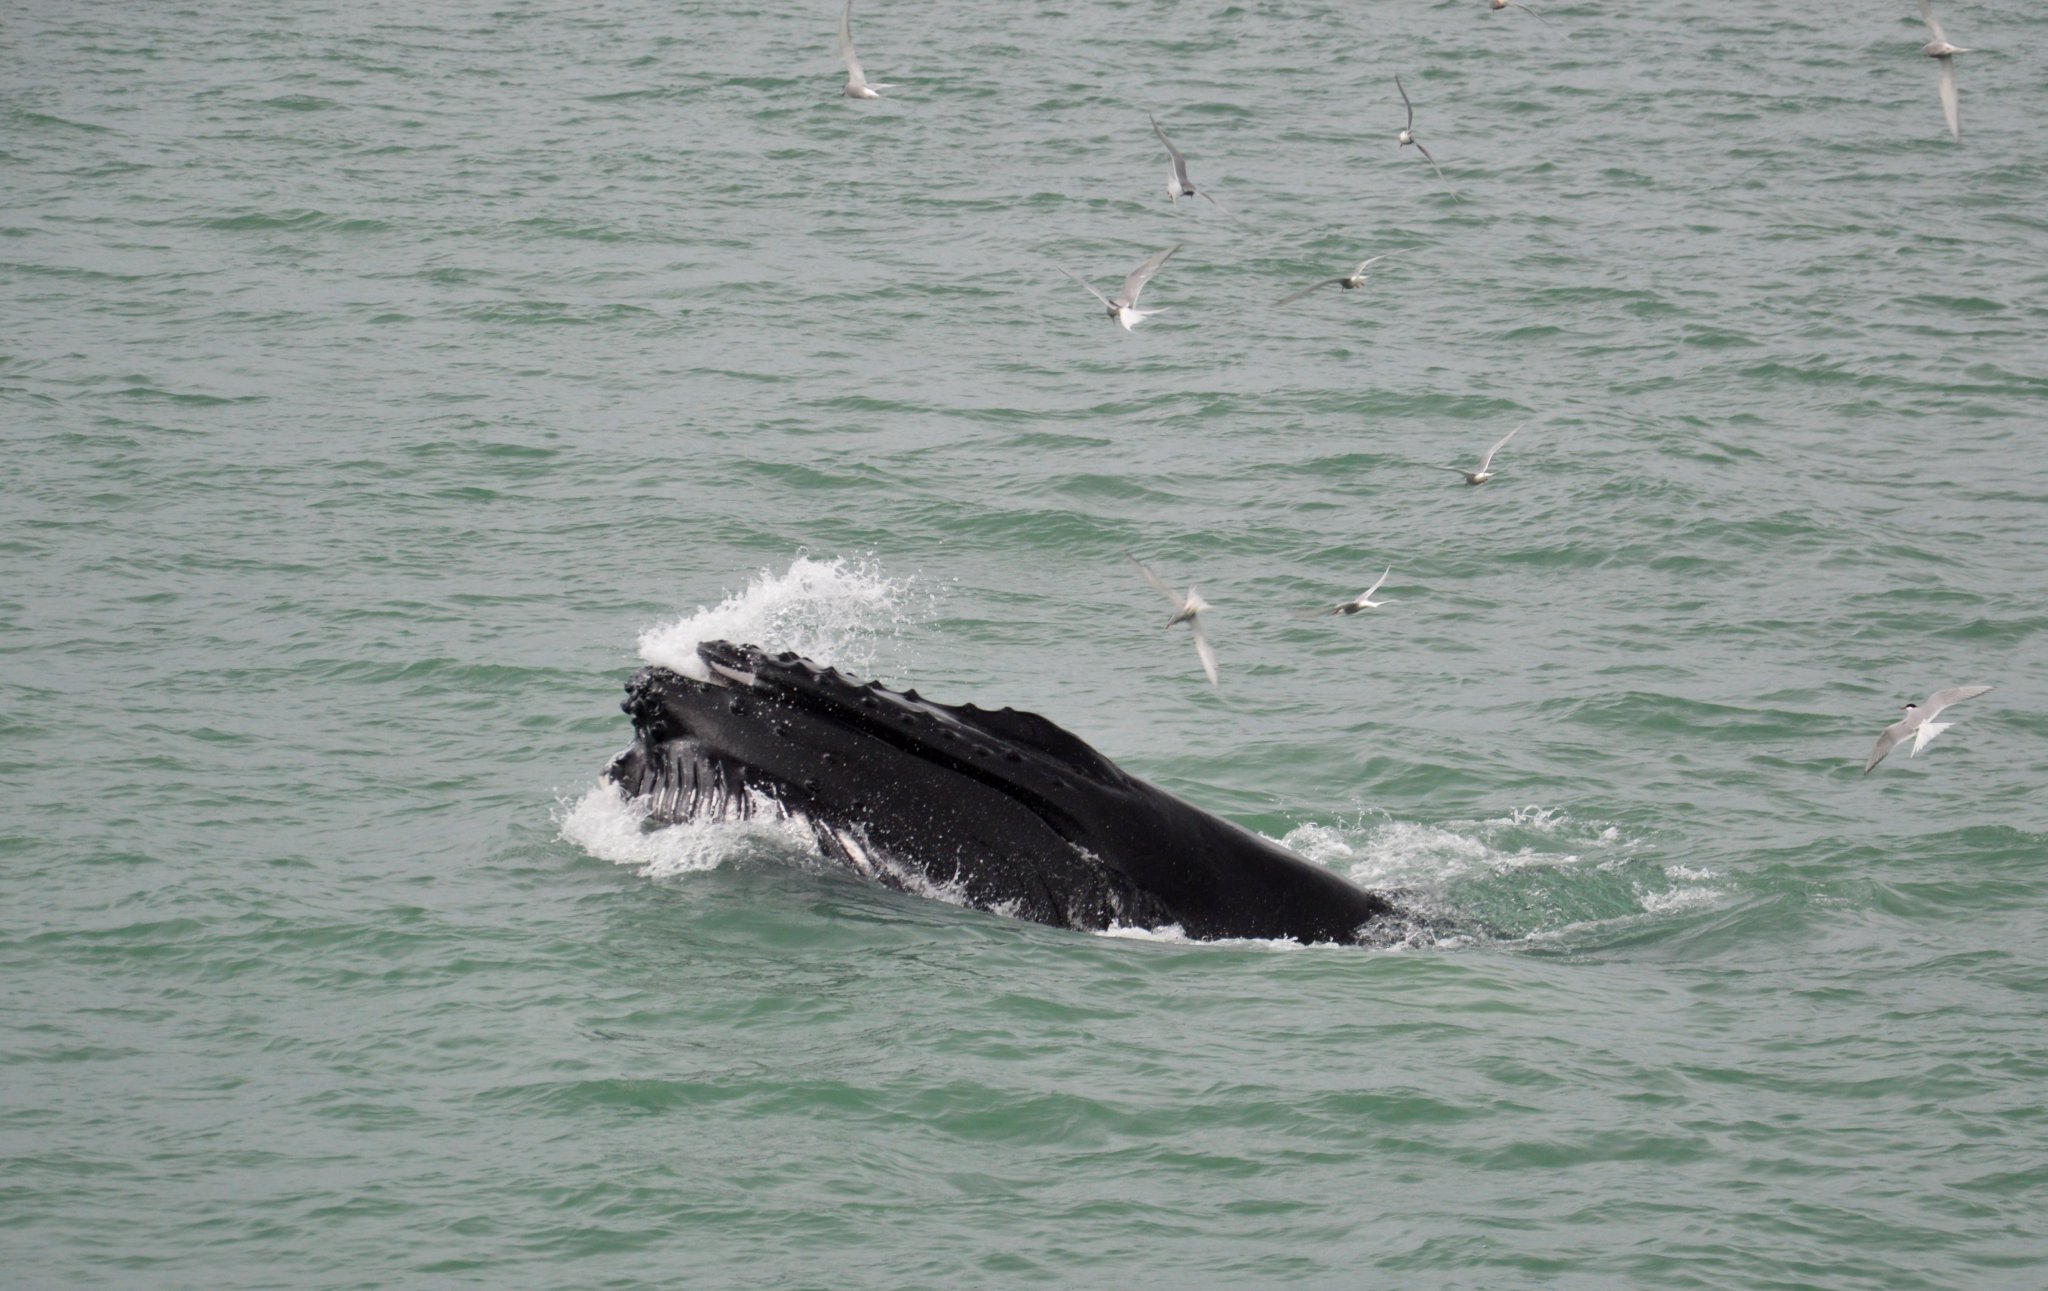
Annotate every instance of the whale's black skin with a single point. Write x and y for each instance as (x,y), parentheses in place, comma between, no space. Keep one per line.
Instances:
(1005,810)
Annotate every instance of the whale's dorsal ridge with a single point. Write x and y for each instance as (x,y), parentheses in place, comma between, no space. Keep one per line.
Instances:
(1008,729)
(1016,726)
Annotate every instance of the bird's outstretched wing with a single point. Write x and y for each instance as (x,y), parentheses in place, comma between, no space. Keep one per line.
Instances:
(1140,276)
(1487,460)
(846,45)
(1178,601)
(1885,743)
(1203,650)
(1180,163)
(1085,283)
(1927,12)
(1397,85)
(1289,300)
(1210,198)
(1941,699)
(1432,161)
(1951,106)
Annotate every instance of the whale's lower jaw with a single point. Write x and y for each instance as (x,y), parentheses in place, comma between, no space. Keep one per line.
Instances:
(999,810)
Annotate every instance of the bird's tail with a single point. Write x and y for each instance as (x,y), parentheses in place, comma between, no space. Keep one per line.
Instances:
(1926,734)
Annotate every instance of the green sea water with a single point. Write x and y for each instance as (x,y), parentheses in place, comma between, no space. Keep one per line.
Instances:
(380,384)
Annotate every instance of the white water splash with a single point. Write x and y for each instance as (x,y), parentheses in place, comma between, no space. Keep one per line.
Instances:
(1673,900)
(836,612)
(1541,819)
(1396,853)
(1534,862)
(1169,932)
(1385,852)
(604,823)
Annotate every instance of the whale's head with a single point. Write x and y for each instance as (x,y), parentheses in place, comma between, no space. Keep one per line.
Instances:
(912,792)
(783,725)
(999,809)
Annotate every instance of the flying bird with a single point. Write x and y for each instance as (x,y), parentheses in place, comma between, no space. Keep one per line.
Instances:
(857,85)
(1485,471)
(1919,723)
(1407,135)
(1354,281)
(1186,609)
(1123,307)
(1178,185)
(1499,5)
(1362,601)
(1944,53)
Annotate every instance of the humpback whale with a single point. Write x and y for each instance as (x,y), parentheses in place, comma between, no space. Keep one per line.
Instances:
(1000,809)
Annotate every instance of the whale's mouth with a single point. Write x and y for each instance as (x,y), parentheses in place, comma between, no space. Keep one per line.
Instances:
(681,779)
(702,737)
(726,676)
(667,768)
(729,665)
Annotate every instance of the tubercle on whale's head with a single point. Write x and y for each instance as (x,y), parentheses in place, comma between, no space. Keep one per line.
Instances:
(647,701)
(788,675)
(666,704)
(659,699)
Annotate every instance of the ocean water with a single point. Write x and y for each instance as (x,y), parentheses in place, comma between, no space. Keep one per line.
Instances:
(381,383)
